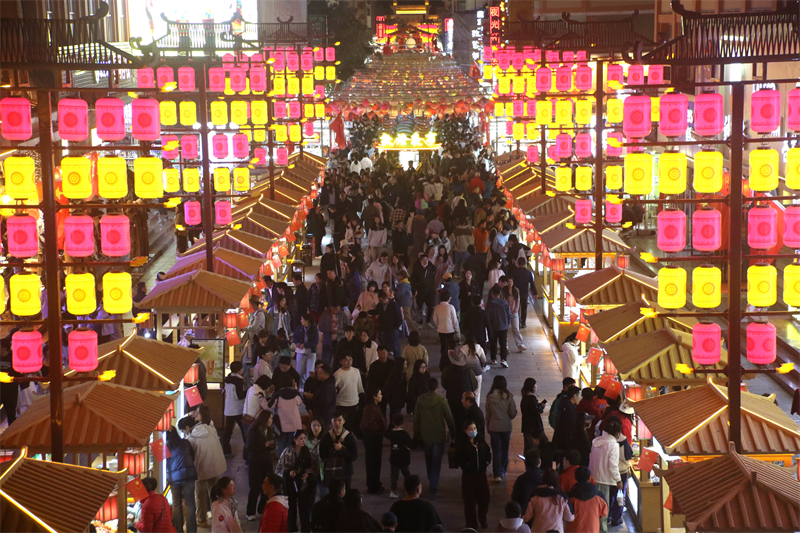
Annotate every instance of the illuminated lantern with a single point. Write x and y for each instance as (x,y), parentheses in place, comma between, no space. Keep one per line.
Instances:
(674,112)
(544,79)
(614,177)
(793,111)
(76,181)
(23,237)
(169,146)
(241,179)
(280,110)
(239,112)
(793,168)
(518,108)
(292,62)
(672,172)
(564,79)
(762,227)
(518,131)
(189,146)
(791,226)
(186,79)
(172,180)
(509,127)
(110,116)
(115,235)
(238,79)
(308,129)
(583,145)
(706,229)
(220,146)
(241,146)
(563,179)
(16,119)
(73,119)
(544,112)
(24,291)
(281,156)
(330,54)
(672,287)
(192,212)
(222,179)
(80,291)
(708,172)
(145,78)
(638,174)
(762,285)
(583,211)
(294,109)
(709,114)
(583,178)
(706,343)
(79,235)
(20,177)
(191,179)
(564,146)
(219,113)
(216,79)
(765,110)
(636,117)
(147,177)
(563,113)
(706,287)
(222,210)
(583,78)
(583,112)
(655,74)
(258,79)
(636,75)
(791,285)
(531,131)
(168,112)
(164,76)
(292,86)
(764,170)
(258,112)
(117,293)
(82,350)
(761,343)
(532,154)
(671,230)
(655,109)
(281,133)
(112,177)
(614,144)
(146,125)
(615,75)
(614,110)
(26,351)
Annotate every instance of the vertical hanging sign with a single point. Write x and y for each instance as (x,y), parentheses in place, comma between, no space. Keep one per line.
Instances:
(494,26)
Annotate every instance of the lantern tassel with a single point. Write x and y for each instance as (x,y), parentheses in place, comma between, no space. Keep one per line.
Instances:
(108,375)
(684,369)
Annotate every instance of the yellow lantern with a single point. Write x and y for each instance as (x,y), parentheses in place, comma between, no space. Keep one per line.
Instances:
(188,113)
(241,179)
(614,177)
(80,291)
(319,72)
(791,285)
(793,168)
(247,88)
(672,287)
(655,109)
(563,179)
(20,177)
(530,87)
(319,110)
(499,109)
(219,113)
(239,112)
(614,111)
(228,91)
(638,173)
(292,85)
(706,287)
(169,112)
(112,177)
(672,173)
(504,85)
(24,291)
(544,112)
(279,86)
(509,109)
(583,178)
(172,181)
(553,133)
(762,285)
(308,110)
(708,172)
(488,72)
(260,135)
(148,177)
(248,132)
(281,133)
(763,170)
(76,181)
(258,112)
(583,112)
(518,84)
(222,179)
(531,131)
(191,179)
(518,131)
(295,133)
(564,112)
(117,293)
(307,86)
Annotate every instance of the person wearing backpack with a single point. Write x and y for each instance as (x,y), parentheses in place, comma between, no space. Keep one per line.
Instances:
(156,513)
(338,450)
(390,318)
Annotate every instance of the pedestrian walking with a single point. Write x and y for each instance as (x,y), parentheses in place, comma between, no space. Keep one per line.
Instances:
(500,411)
(473,457)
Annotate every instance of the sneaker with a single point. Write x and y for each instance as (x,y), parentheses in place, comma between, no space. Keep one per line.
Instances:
(523,326)
(504,364)
(493,362)
(522,348)
(393,495)
(251,518)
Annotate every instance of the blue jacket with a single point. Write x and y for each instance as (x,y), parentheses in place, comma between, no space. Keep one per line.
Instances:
(403,294)
(308,337)
(180,466)
(499,314)
(455,293)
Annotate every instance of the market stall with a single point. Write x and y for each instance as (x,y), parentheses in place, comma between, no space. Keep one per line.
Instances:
(236,241)
(226,262)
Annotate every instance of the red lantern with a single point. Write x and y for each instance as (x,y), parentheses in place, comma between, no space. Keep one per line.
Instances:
(258,79)
(166,421)
(636,121)
(281,156)
(330,54)
(674,108)
(145,78)
(564,145)
(23,236)
(613,213)
(762,227)
(544,79)
(220,146)
(229,320)
(706,343)
(569,300)
(636,75)
(169,146)
(232,337)
(216,79)
(709,114)
(671,230)
(115,235)
(609,367)
(192,212)
(612,140)
(583,211)
(82,350)
(189,146)
(615,74)
(583,78)
(146,119)
(192,375)
(308,129)
(655,75)
(706,229)
(634,393)
(110,116)
(134,462)
(583,145)
(16,119)
(223,212)
(642,432)
(761,343)
(791,226)
(238,79)
(164,76)
(564,79)
(793,112)
(108,511)
(186,79)
(79,235)
(765,110)
(73,119)
(26,351)
(241,146)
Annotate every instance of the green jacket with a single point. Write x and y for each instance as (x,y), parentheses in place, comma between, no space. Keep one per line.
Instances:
(430,416)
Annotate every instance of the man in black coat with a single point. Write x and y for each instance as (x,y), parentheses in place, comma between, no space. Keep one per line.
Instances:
(423,282)
(474,413)
(300,300)
(476,263)
(529,481)
(329,261)
(315,222)
(323,403)
(523,281)
(326,512)
(476,322)
(564,434)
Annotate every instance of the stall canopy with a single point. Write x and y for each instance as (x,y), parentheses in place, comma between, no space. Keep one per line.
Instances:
(226,262)
(98,417)
(550,222)
(611,287)
(201,291)
(260,225)
(627,320)
(42,496)
(266,207)
(734,493)
(236,241)
(539,205)
(695,422)
(581,241)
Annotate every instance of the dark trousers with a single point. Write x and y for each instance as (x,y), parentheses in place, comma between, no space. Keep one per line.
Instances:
(443,339)
(300,502)
(475,493)
(500,337)
(373,449)
(256,500)
(391,339)
(434,451)
(457,410)
(615,510)
(428,298)
(230,423)
(500,442)
(395,475)
(523,309)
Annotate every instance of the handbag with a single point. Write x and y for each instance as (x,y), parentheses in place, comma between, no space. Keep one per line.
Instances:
(452,461)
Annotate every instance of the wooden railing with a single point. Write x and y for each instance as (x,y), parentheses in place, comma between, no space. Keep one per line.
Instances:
(571,34)
(542,32)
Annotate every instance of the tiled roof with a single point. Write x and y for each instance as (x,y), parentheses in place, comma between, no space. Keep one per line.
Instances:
(200,290)
(735,493)
(226,263)
(627,320)
(260,225)
(98,417)
(237,241)
(611,286)
(549,222)
(145,363)
(542,205)
(273,209)
(511,165)
(580,241)
(63,497)
(701,427)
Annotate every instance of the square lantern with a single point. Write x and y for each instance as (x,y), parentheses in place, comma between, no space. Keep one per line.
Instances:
(110,118)
(112,177)
(146,118)
(76,181)
(764,170)
(191,179)
(147,177)
(672,172)
(583,112)
(187,111)
(20,177)
(222,179)
(614,177)
(563,179)
(583,178)
(708,172)
(219,113)
(638,174)
(117,293)
(73,119)
(239,112)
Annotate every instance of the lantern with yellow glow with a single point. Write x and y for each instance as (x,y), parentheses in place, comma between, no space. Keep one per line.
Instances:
(191,179)
(518,131)
(189,146)
(583,211)
(20,177)
(499,109)
(762,285)
(761,343)
(762,227)
(503,85)
(655,109)
(518,84)
(793,168)
(615,76)
(164,75)
(707,229)
(671,230)
(241,179)
(706,343)
(614,111)
(563,179)
(79,235)
(169,112)
(222,210)
(279,86)
(117,293)
(531,131)
(24,292)
(82,350)
(614,177)
(258,112)
(638,173)
(292,86)
(791,285)
(115,235)
(672,287)
(148,177)
(169,146)
(80,291)
(583,145)
(222,179)
(583,178)
(636,120)
(708,172)
(765,110)
(544,112)
(583,112)
(16,119)
(26,351)
(706,287)
(674,112)
(239,112)
(564,112)
(672,172)
(764,170)
(145,119)
(172,180)
(23,236)
(76,181)
(110,116)
(219,113)
(281,133)
(295,133)
(319,110)
(73,119)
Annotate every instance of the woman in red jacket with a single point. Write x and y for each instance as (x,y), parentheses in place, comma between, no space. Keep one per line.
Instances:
(156,513)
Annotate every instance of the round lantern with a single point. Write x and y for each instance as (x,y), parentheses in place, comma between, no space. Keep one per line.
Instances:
(791,285)
(241,145)
(709,115)
(672,287)
(583,211)
(674,111)
(671,230)
(189,146)
(614,177)
(614,111)
(219,113)
(708,172)
(115,235)
(186,79)
(172,180)
(222,210)
(706,287)
(583,78)
(220,146)
(564,146)
(26,351)
(762,227)
(613,213)
(82,350)
(239,112)
(117,293)
(148,177)
(761,343)
(222,179)
(20,177)
(638,174)
(145,119)
(765,110)
(80,289)
(706,229)
(672,173)
(706,343)
(169,148)
(563,179)
(241,179)
(191,179)
(168,112)
(79,235)
(583,145)
(793,110)
(583,178)
(15,114)
(791,226)
(73,119)
(187,111)
(192,213)
(23,236)
(764,170)
(762,285)
(24,291)
(112,177)
(76,181)
(636,117)
(110,116)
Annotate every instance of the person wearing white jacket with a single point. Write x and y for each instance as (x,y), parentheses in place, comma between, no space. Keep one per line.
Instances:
(255,400)
(223,507)
(445,320)
(378,270)
(604,464)
(209,461)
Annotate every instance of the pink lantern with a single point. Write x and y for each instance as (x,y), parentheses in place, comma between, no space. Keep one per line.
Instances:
(110,116)
(709,115)
(26,351)
(533,156)
(294,110)
(551,56)
(167,141)
(518,108)
(79,235)
(530,108)
(146,119)
(292,62)
(192,213)
(258,79)
(564,145)
(145,78)
(674,108)
(671,230)
(220,146)
(306,62)
(517,60)
(762,227)
(761,343)
(186,79)
(82,350)
(544,79)
(552,152)
(636,75)
(569,58)
(655,75)
(791,226)
(23,236)
(279,61)
(165,75)
(73,119)
(618,139)
(793,111)
(222,210)
(504,60)
(189,146)
(241,146)
(115,235)
(216,79)
(583,145)
(16,119)
(319,54)
(706,229)
(238,79)
(583,211)
(308,129)
(280,109)
(564,79)
(636,121)
(613,213)
(583,78)
(260,156)
(580,55)
(706,344)
(615,73)
(228,61)
(765,110)
(281,156)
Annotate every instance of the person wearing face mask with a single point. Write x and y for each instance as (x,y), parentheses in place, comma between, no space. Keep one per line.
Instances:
(473,456)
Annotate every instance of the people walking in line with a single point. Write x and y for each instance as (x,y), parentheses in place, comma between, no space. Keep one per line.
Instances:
(181,476)
(500,411)
(431,422)
(499,315)
(473,457)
